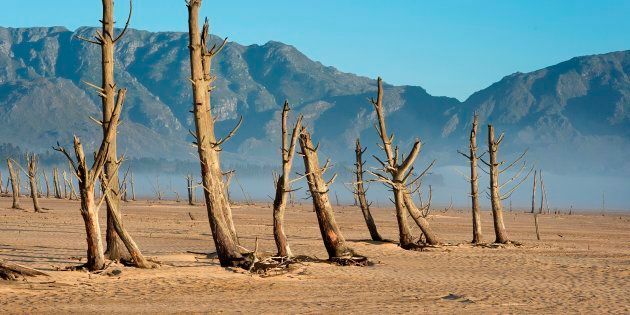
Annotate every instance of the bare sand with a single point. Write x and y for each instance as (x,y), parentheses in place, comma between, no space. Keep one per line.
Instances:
(581,265)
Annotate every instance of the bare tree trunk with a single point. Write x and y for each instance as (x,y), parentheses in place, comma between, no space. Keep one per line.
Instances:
(56,183)
(87,178)
(333,240)
(133,191)
(189,187)
(536,224)
(47,184)
(399,171)
(283,185)
(474,190)
(65,186)
(14,186)
(32,179)
(534,193)
(495,197)
(542,192)
(219,212)
(360,193)
(228,179)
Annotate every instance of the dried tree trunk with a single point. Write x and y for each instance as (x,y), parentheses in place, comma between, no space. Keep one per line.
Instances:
(534,193)
(399,171)
(56,183)
(360,194)
(219,211)
(47,184)
(474,190)
(15,186)
(542,192)
(333,240)
(283,184)
(189,187)
(87,179)
(133,191)
(495,196)
(32,179)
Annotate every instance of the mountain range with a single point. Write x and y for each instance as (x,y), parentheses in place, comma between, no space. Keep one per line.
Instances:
(574,117)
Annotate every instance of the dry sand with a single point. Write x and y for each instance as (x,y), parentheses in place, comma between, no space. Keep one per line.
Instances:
(582,265)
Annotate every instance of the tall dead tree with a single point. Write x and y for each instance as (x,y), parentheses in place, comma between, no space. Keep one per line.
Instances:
(543,194)
(15,186)
(106,39)
(399,171)
(359,193)
(283,184)
(47,184)
(133,190)
(495,195)
(333,240)
(189,187)
(208,147)
(473,180)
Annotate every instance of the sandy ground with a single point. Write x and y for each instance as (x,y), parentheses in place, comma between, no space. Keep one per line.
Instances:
(582,265)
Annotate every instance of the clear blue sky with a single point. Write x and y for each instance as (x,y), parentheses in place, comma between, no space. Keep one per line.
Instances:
(451,48)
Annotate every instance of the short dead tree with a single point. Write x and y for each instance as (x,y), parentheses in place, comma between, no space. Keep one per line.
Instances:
(190,186)
(283,184)
(31,173)
(56,186)
(359,190)
(47,184)
(338,251)
(495,187)
(208,147)
(15,185)
(473,180)
(395,172)
(87,178)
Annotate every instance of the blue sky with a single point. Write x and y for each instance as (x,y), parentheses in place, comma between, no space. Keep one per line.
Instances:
(451,48)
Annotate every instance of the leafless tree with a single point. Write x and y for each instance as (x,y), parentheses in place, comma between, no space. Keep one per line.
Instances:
(47,184)
(495,195)
(534,193)
(283,183)
(15,186)
(399,171)
(359,190)
(106,39)
(189,187)
(208,147)
(473,179)
(56,186)
(31,173)
(133,190)
(90,206)
(334,242)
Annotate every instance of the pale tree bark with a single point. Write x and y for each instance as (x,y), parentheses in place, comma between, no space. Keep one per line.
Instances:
(31,159)
(359,192)
(333,240)
(56,183)
(534,193)
(473,180)
(399,171)
(89,205)
(106,39)
(218,207)
(495,195)
(47,184)
(133,190)
(15,186)
(189,187)
(283,184)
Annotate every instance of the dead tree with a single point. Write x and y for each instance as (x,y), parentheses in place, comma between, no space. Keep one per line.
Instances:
(89,205)
(47,184)
(473,180)
(334,242)
(11,271)
(106,39)
(399,171)
(543,194)
(133,191)
(359,193)
(283,184)
(534,194)
(56,183)
(228,179)
(208,147)
(189,188)
(31,173)
(15,186)
(495,195)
